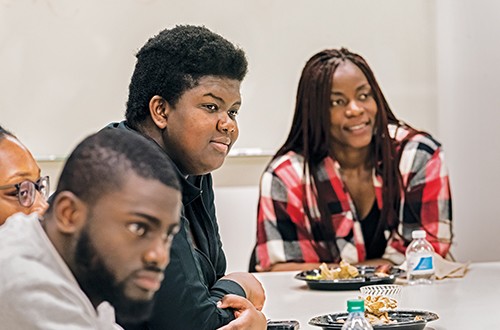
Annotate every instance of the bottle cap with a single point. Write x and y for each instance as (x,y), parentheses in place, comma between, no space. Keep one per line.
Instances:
(355,305)
(418,234)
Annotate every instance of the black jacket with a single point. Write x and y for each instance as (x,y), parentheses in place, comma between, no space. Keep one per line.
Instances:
(192,285)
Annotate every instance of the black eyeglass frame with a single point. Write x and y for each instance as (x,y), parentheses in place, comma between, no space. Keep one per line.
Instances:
(42,185)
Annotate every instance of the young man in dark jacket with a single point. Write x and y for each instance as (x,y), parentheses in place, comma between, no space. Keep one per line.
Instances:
(185,96)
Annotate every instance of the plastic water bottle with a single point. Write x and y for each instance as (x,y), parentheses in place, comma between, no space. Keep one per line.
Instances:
(420,259)
(356,318)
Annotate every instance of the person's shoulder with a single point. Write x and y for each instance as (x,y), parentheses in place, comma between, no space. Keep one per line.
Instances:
(29,268)
(34,281)
(27,260)
(29,283)
(16,234)
(291,158)
(415,139)
(26,281)
(41,299)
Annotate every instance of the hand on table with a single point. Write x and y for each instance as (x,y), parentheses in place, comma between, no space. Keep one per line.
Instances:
(253,288)
(247,316)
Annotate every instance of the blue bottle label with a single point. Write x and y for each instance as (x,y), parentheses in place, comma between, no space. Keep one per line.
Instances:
(421,265)
(424,263)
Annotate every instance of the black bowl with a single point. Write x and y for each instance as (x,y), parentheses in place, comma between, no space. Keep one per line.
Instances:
(405,320)
(366,277)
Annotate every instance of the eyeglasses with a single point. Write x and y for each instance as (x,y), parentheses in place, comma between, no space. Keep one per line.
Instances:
(26,190)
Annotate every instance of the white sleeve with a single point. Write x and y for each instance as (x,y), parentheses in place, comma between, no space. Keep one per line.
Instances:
(42,306)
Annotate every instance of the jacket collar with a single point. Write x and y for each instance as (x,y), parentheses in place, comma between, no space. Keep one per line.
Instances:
(191,185)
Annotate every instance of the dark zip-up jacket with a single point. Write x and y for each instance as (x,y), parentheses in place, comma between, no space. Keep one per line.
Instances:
(192,285)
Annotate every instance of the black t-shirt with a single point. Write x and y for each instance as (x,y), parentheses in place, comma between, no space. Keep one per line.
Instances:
(375,246)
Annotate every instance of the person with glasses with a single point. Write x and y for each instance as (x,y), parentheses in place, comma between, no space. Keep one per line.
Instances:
(22,189)
(103,244)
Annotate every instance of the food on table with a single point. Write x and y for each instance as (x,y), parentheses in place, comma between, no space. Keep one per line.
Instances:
(383,270)
(376,308)
(344,271)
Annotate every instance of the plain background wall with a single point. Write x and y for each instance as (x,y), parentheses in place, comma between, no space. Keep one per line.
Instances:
(468,45)
(66,65)
(65,68)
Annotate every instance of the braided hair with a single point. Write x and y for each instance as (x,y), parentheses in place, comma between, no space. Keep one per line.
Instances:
(310,137)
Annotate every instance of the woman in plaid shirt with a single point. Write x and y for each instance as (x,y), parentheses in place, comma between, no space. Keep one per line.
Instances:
(351,181)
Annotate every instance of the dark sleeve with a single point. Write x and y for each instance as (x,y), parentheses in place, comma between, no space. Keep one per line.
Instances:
(184,300)
(209,203)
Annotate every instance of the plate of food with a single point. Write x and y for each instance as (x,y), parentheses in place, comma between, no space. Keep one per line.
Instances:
(398,320)
(348,277)
(382,313)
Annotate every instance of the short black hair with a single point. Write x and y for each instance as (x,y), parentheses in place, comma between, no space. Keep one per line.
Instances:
(101,161)
(174,60)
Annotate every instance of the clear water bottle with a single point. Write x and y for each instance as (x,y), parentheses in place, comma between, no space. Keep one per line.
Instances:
(356,318)
(420,259)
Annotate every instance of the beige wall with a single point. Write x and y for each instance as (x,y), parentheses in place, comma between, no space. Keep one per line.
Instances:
(65,65)
(469,116)
(63,78)
(436,62)
(237,171)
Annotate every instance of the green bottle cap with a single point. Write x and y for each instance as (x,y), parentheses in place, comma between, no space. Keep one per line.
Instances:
(355,305)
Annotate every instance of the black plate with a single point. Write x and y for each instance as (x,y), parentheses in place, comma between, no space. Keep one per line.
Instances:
(405,318)
(366,277)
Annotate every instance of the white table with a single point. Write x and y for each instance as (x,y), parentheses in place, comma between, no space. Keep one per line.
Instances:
(471,303)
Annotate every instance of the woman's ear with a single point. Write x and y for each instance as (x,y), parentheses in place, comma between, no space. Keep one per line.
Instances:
(70,213)
(159,109)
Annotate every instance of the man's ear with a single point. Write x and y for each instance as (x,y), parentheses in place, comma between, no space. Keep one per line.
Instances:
(70,213)
(159,110)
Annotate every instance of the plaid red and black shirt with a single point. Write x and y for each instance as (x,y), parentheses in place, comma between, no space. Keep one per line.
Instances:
(284,231)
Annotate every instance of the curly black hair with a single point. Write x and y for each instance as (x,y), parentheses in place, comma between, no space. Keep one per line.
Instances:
(99,164)
(174,60)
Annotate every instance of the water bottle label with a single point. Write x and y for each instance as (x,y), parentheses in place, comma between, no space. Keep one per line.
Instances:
(421,265)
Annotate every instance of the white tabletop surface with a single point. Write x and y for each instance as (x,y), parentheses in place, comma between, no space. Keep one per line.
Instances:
(471,302)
